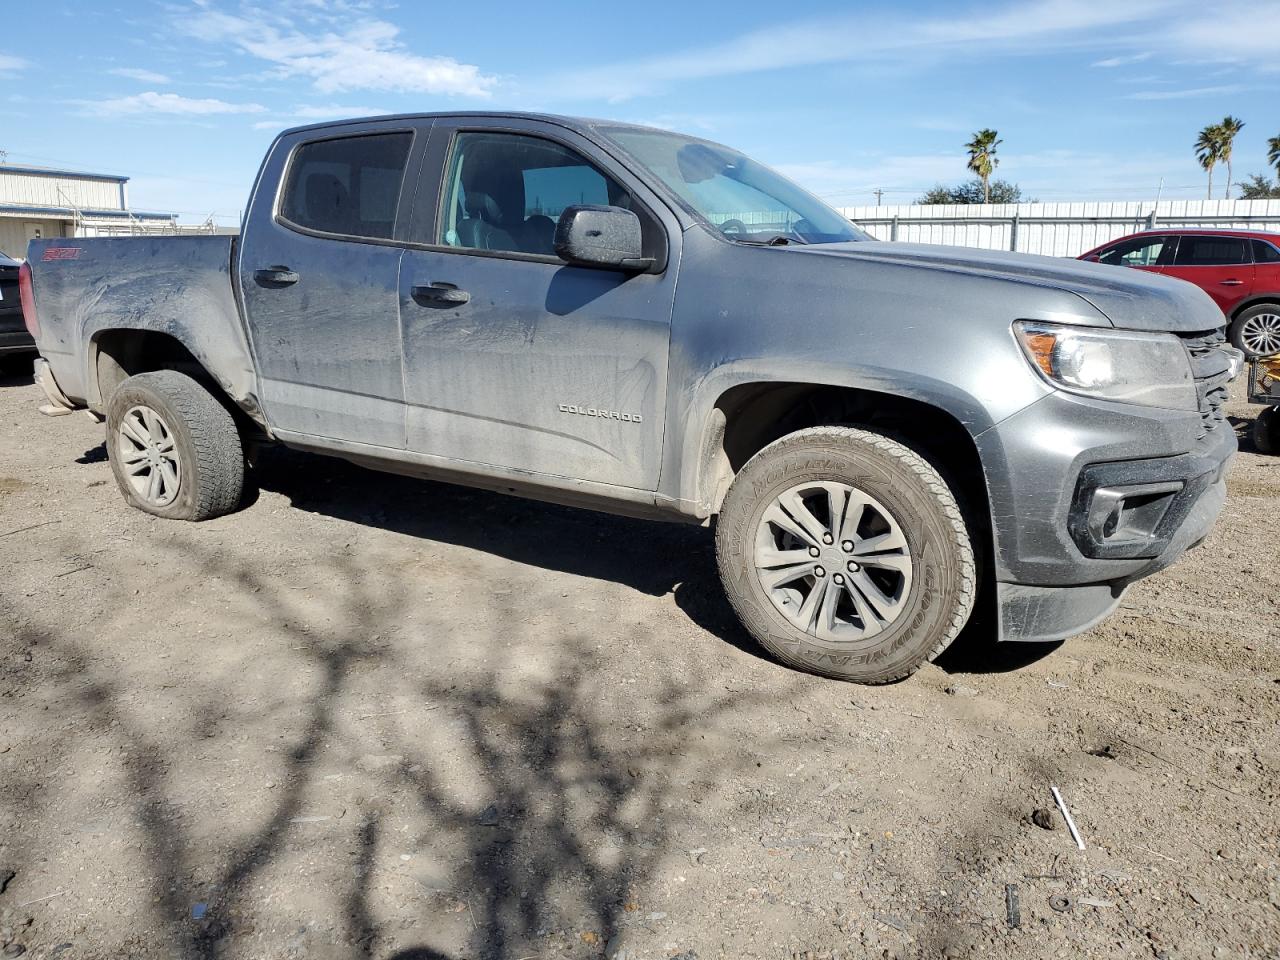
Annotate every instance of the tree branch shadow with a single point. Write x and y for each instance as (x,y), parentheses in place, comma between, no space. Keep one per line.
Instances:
(545,800)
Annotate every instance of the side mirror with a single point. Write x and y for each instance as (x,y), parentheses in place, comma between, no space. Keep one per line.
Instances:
(589,235)
(1093,258)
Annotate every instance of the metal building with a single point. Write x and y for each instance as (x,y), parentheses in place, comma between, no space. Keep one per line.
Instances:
(38,202)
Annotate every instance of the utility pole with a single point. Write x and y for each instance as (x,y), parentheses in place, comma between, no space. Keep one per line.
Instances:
(879,193)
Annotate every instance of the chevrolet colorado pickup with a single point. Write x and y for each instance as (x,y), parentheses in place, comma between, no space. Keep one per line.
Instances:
(641,322)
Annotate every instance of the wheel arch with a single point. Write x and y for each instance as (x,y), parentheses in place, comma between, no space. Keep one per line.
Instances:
(748,416)
(1256,300)
(115,353)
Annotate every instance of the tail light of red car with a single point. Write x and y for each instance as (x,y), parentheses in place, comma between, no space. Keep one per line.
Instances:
(27,294)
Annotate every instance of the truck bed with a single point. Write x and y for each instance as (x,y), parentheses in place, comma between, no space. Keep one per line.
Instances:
(180,287)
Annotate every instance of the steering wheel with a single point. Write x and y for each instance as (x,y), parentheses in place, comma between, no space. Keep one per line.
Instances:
(733,226)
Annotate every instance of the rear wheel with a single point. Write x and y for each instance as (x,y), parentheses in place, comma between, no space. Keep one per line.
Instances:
(1257,331)
(845,553)
(174,449)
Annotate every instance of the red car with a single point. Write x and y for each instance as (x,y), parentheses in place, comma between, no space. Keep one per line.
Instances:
(1240,269)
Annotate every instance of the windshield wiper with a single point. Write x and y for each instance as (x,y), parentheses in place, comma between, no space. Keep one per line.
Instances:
(777,240)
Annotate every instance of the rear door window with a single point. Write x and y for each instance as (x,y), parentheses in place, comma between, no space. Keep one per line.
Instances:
(1196,251)
(348,187)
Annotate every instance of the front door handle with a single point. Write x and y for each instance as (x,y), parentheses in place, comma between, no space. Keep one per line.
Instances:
(438,292)
(276,276)
(1231,283)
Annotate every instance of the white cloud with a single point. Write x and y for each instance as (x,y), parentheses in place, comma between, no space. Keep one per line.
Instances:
(1241,32)
(1121,61)
(142,104)
(142,76)
(10,65)
(1184,94)
(1022,28)
(317,112)
(341,53)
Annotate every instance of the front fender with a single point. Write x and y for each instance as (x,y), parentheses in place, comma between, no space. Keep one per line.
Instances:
(783,315)
(699,424)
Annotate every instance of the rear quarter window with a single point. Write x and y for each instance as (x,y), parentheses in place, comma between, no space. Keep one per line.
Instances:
(1264,252)
(349,187)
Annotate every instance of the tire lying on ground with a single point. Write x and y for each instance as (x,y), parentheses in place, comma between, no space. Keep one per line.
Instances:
(845,553)
(1266,432)
(174,449)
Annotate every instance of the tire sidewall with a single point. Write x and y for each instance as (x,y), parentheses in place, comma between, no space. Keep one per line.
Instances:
(1266,432)
(131,394)
(937,562)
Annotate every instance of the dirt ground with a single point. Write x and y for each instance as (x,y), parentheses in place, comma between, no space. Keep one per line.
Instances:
(373,717)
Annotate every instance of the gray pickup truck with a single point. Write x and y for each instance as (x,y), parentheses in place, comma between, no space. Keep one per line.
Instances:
(628,319)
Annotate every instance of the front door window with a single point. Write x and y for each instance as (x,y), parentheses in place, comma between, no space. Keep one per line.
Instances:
(506,192)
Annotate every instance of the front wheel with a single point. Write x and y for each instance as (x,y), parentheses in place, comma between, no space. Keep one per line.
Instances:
(1256,331)
(174,449)
(845,553)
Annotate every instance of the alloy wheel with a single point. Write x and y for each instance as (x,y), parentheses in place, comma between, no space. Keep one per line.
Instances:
(149,455)
(1261,334)
(834,561)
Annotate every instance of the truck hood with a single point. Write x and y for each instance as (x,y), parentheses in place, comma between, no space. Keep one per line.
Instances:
(1130,299)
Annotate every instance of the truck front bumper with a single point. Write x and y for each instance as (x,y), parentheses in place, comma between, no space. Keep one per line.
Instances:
(1096,496)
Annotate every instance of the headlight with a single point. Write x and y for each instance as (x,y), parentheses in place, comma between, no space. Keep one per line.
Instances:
(1148,368)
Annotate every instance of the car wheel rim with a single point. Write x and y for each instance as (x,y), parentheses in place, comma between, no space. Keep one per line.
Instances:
(833,561)
(149,456)
(1261,334)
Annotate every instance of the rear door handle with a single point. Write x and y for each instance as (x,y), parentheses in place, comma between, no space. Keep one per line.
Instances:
(440,292)
(1231,283)
(276,276)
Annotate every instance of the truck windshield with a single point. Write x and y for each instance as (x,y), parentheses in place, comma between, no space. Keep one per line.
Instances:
(743,199)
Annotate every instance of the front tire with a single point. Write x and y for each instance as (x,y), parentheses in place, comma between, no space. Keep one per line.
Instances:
(1256,331)
(174,449)
(845,553)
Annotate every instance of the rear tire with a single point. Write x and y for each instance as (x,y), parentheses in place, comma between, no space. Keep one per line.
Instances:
(1256,331)
(868,595)
(174,449)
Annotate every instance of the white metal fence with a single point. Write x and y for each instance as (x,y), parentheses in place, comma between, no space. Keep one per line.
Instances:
(1055,229)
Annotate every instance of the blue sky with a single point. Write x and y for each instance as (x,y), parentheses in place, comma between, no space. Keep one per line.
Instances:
(1094,100)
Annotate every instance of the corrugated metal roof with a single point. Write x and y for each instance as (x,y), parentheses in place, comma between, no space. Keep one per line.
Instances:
(9,209)
(54,172)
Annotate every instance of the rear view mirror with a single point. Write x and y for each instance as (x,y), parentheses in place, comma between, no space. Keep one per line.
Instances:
(589,235)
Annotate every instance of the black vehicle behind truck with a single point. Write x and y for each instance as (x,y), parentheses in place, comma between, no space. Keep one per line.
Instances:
(14,337)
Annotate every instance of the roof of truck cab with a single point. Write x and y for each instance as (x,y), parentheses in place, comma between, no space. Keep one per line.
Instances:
(572,123)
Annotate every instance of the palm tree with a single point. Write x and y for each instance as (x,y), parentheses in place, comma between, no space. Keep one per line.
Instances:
(1209,151)
(982,158)
(1227,131)
(1273,153)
